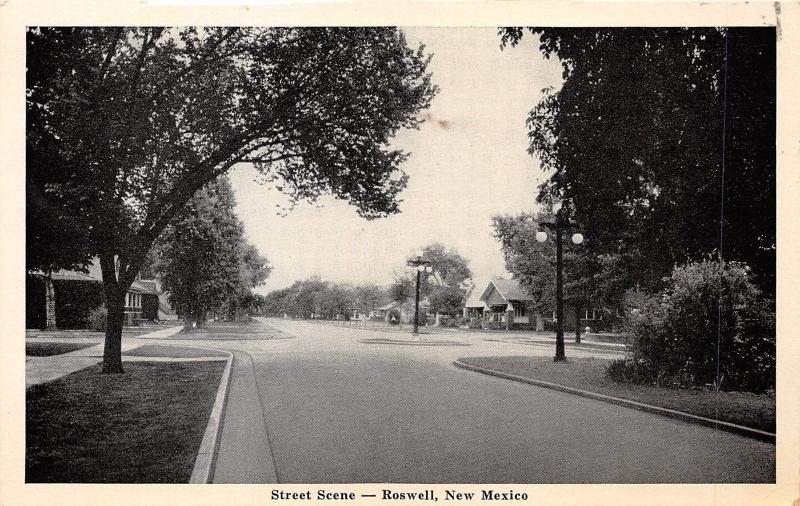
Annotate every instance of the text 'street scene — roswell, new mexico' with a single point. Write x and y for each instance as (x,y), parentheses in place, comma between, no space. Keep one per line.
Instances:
(400,255)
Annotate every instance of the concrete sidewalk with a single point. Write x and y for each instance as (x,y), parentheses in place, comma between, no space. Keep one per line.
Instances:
(244,454)
(43,369)
(161,334)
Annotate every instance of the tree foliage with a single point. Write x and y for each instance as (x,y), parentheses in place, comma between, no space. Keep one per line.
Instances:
(202,258)
(589,279)
(710,326)
(125,124)
(314,297)
(449,267)
(368,296)
(402,289)
(445,286)
(634,140)
(447,300)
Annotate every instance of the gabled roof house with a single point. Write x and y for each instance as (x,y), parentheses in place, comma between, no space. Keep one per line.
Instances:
(503,303)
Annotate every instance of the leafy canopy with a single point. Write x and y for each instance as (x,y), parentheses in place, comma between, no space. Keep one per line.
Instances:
(589,279)
(203,259)
(125,124)
(634,140)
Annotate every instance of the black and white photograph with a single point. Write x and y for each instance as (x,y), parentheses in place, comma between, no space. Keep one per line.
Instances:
(400,256)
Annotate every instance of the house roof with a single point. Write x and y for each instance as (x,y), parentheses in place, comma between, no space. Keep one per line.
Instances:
(474,299)
(74,276)
(509,289)
(144,287)
(95,275)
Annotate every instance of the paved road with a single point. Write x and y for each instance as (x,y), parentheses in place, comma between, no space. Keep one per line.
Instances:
(338,410)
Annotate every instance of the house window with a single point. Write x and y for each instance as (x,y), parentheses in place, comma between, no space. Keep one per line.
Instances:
(519,309)
(590,314)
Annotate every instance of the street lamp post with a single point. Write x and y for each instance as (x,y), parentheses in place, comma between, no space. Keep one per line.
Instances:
(420,265)
(561,224)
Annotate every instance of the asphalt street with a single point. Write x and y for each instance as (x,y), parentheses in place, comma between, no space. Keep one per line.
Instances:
(341,410)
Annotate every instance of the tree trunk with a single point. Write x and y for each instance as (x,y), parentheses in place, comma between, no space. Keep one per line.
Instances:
(200,318)
(577,323)
(50,302)
(112,352)
(115,296)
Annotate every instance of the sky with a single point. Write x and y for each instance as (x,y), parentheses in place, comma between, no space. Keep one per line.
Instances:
(468,164)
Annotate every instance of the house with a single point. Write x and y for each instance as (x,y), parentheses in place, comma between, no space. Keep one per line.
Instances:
(402,312)
(506,304)
(67,298)
(474,306)
(160,307)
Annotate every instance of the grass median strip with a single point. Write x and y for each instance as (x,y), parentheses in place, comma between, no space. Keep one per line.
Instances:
(741,408)
(144,426)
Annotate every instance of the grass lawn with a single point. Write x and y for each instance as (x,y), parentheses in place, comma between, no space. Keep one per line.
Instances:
(50,349)
(252,330)
(144,426)
(750,410)
(126,331)
(153,350)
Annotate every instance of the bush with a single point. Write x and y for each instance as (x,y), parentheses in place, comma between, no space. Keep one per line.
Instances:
(492,325)
(708,308)
(451,321)
(474,322)
(626,370)
(97,318)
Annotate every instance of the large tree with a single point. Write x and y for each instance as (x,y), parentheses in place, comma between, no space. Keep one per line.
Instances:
(445,287)
(449,267)
(135,120)
(368,296)
(203,258)
(663,140)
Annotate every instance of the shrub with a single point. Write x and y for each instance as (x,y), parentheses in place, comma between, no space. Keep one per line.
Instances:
(626,370)
(451,321)
(709,327)
(97,318)
(474,322)
(492,325)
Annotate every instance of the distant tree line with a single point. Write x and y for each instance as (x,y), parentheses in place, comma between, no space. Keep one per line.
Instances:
(444,288)
(314,297)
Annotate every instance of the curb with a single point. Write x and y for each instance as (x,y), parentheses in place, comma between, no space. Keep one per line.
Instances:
(649,408)
(206,458)
(583,345)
